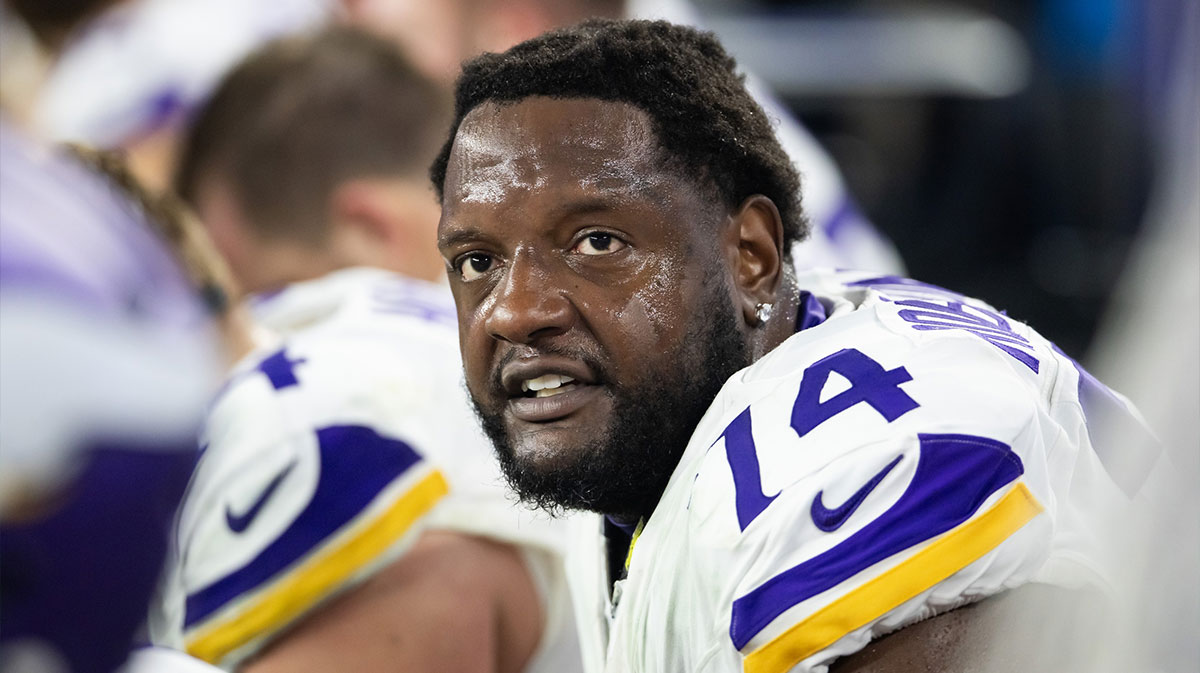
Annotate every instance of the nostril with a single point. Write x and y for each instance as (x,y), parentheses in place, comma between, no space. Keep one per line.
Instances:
(521,317)
(548,331)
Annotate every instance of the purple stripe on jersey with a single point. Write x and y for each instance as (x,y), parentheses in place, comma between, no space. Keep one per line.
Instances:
(356,465)
(81,578)
(1125,446)
(955,475)
(811,313)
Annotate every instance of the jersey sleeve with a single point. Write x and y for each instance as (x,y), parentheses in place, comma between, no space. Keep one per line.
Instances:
(888,485)
(931,525)
(299,495)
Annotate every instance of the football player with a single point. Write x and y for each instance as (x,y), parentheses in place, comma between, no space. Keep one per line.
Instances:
(347,514)
(107,355)
(789,466)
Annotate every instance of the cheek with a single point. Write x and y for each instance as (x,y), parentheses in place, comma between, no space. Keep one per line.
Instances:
(652,318)
(475,341)
(661,306)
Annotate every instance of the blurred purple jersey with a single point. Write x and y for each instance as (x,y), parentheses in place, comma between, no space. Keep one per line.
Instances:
(106,360)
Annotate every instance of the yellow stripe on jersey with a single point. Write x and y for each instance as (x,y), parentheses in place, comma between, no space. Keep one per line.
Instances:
(637,532)
(941,559)
(317,577)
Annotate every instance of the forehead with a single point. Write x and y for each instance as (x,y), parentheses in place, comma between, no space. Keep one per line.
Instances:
(541,142)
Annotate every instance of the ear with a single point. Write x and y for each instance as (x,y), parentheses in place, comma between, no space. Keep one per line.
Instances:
(228,229)
(756,247)
(362,208)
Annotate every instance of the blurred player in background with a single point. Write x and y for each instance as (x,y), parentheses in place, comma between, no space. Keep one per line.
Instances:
(132,79)
(617,217)
(172,52)
(347,513)
(440,35)
(107,356)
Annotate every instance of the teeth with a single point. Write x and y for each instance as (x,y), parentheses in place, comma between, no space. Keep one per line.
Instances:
(546,384)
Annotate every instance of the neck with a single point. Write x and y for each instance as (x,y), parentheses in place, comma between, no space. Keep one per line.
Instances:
(283,266)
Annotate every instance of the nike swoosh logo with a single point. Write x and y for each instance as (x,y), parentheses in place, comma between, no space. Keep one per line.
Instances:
(830,520)
(240,522)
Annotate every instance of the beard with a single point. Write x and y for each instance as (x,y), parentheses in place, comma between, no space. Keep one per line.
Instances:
(623,469)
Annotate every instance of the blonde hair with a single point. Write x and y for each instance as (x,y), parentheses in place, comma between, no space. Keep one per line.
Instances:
(174,222)
(184,234)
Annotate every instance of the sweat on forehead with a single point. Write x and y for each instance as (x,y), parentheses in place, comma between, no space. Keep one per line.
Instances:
(505,145)
(706,123)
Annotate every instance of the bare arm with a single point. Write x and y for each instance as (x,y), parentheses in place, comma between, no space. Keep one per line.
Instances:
(1032,629)
(454,603)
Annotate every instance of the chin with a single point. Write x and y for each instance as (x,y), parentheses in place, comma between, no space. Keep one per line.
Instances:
(545,452)
(557,469)
(616,456)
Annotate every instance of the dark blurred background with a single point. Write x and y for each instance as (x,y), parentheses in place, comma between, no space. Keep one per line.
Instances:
(1005,147)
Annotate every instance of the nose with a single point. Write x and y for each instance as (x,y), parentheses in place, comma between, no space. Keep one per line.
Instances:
(529,305)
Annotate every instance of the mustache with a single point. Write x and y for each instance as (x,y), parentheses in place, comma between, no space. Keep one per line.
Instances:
(593,360)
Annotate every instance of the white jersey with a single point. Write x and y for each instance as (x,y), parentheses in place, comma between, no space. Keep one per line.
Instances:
(906,452)
(326,455)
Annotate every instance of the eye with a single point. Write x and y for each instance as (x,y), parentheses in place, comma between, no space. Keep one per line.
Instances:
(599,243)
(473,265)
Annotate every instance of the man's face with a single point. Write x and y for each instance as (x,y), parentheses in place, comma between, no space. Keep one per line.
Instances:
(595,311)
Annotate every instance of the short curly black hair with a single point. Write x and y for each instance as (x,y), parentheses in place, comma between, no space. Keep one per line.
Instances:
(705,120)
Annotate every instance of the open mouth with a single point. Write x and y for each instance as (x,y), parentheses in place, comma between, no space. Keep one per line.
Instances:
(551,397)
(548,385)
(549,388)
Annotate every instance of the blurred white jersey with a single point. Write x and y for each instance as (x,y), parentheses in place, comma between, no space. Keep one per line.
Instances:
(107,356)
(906,452)
(326,455)
(141,65)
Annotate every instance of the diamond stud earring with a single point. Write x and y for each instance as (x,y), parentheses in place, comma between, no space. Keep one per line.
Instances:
(762,311)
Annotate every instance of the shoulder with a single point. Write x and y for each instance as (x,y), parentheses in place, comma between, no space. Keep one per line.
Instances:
(361,365)
(304,487)
(866,375)
(873,470)
(837,403)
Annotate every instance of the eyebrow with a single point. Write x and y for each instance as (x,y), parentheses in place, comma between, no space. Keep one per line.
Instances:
(457,236)
(467,233)
(584,206)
